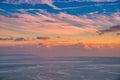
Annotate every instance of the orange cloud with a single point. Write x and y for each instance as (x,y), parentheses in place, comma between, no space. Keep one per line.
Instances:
(31,26)
(41,24)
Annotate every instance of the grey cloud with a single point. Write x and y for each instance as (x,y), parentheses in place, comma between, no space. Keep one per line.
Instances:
(6,38)
(51,21)
(43,38)
(111,29)
(20,39)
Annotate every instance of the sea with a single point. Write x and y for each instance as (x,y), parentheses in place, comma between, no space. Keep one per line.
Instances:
(33,67)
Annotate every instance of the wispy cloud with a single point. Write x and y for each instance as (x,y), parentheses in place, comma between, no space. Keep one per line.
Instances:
(87,0)
(58,23)
(33,2)
(42,24)
(62,24)
(102,0)
(88,6)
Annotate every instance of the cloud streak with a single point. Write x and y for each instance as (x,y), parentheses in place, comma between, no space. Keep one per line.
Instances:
(44,24)
(6,39)
(42,38)
(33,2)
(20,39)
(56,23)
(101,0)
(111,29)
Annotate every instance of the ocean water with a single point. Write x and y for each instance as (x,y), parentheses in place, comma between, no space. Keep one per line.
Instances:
(31,67)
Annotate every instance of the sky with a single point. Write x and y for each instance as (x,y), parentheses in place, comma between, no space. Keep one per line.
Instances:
(60,27)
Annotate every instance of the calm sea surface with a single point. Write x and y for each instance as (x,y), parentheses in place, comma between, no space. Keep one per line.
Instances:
(30,67)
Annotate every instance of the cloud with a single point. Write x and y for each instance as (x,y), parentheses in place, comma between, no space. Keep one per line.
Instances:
(118,33)
(50,21)
(20,39)
(87,0)
(116,16)
(62,23)
(43,38)
(33,2)
(88,6)
(42,24)
(6,38)
(101,0)
(49,2)
(111,29)
(65,25)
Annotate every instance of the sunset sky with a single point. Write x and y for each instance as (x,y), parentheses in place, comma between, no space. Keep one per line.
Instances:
(60,27)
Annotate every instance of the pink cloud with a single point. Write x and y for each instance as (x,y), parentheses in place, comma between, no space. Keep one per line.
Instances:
(62,24)
(57,24)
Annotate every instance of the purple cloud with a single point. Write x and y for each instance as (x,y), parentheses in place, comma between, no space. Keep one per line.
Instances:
(50,21)
(43,38)
(111,29)
(20,39)
(6,38)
